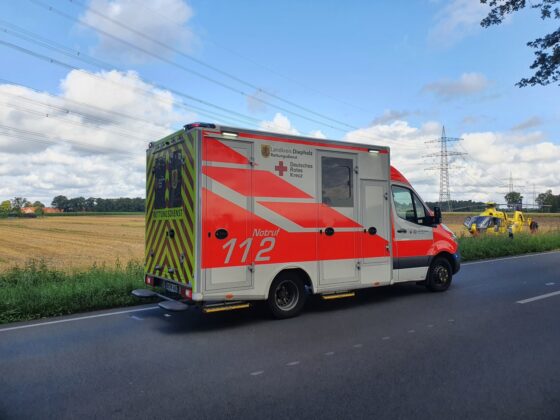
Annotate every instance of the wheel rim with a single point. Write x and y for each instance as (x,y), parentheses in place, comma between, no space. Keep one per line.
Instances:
(441,275)
(286,295)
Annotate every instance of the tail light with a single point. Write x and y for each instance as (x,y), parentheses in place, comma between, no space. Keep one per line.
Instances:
(186,293)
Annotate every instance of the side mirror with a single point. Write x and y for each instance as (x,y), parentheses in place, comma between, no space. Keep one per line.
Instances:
(437,216)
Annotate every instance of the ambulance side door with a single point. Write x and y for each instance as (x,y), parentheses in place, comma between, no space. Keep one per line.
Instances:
(413,235)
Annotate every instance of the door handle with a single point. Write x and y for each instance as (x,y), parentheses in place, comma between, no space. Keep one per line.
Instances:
(401,231)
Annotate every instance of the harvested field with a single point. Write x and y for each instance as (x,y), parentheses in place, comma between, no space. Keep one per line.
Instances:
(78,242)
(547,221)
(71,242)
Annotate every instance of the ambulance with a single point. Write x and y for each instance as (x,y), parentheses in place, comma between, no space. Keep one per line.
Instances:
(235,216)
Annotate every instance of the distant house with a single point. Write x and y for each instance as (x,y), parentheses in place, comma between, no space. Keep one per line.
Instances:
(46,210)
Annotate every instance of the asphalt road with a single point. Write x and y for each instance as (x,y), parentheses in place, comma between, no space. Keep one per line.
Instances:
(397,352)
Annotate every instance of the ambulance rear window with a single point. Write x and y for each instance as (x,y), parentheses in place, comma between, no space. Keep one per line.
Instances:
(159,190)
(336,178)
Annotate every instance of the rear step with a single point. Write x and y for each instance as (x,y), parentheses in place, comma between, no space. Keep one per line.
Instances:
(170,304)
(167,304)
(337,295)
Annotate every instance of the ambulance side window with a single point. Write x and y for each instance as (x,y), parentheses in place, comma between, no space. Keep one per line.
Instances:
(409,207)
(336,179)
(159,187)
(403,203)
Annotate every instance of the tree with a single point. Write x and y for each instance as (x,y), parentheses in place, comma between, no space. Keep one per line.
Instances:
(60,202)
(548,201)
(5,208)
(19,202)
(513,198)
(547,48)
(38,204)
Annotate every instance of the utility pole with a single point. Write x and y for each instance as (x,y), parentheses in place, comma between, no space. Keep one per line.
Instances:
(443,155)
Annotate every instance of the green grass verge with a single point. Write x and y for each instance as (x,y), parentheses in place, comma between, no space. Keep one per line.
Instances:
(483,247)
(37,291)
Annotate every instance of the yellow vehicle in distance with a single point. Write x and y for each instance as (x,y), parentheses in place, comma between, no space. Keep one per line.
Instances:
(496,222)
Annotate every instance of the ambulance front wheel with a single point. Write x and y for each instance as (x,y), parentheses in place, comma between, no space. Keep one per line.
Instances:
(439,275)
(287,295)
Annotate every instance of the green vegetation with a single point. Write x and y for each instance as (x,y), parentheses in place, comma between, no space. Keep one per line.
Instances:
(489,246)
(37,291)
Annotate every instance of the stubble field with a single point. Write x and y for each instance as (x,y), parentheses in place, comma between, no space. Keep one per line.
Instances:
(66,243)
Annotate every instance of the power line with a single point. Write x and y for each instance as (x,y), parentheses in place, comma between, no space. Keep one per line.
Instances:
(202,63)
(41,138)
(151,94)
(136,89)
(259,63)
(186,69)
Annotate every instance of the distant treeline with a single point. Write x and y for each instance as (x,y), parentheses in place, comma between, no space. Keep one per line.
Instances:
(458,205)
(92,204)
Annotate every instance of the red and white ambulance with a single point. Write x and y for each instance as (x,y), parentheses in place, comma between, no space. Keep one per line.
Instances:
(235,215)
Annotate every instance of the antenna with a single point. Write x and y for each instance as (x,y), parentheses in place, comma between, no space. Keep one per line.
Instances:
(443,155)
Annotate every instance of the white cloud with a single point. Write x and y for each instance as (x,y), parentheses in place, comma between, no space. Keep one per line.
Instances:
(481,175)
(318,134)
(467,84)
(279,124)
(455,21)
(105,152)
(168,26)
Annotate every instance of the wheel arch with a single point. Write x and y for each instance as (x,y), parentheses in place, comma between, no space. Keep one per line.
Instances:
(301,273)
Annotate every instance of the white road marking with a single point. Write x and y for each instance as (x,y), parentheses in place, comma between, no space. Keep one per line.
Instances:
(137,318)
(385,338)
(60,321)
(257,372)
(430,325)
(451,320)
(510,258)
(411,331)
(293,363)
(329,353)
(357,346)
(167,315)
(551,283)
(547,295)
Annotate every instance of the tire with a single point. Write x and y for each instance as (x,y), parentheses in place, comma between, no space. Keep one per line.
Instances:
(439,275)
(286,296)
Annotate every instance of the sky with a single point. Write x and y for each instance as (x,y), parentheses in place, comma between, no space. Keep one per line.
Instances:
(86,84)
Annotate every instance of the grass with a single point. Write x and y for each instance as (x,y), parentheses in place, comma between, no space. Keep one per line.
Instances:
(36,291)
(490,246)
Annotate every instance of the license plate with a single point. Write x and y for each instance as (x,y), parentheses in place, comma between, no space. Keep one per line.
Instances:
(171,287)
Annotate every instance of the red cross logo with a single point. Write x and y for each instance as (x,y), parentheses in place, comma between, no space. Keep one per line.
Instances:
(281,168)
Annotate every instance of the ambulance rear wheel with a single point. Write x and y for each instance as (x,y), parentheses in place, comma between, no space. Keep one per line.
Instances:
(439,275)
(287,296)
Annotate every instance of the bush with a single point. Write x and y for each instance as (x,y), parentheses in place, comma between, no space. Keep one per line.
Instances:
(37,291)
(490,246)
